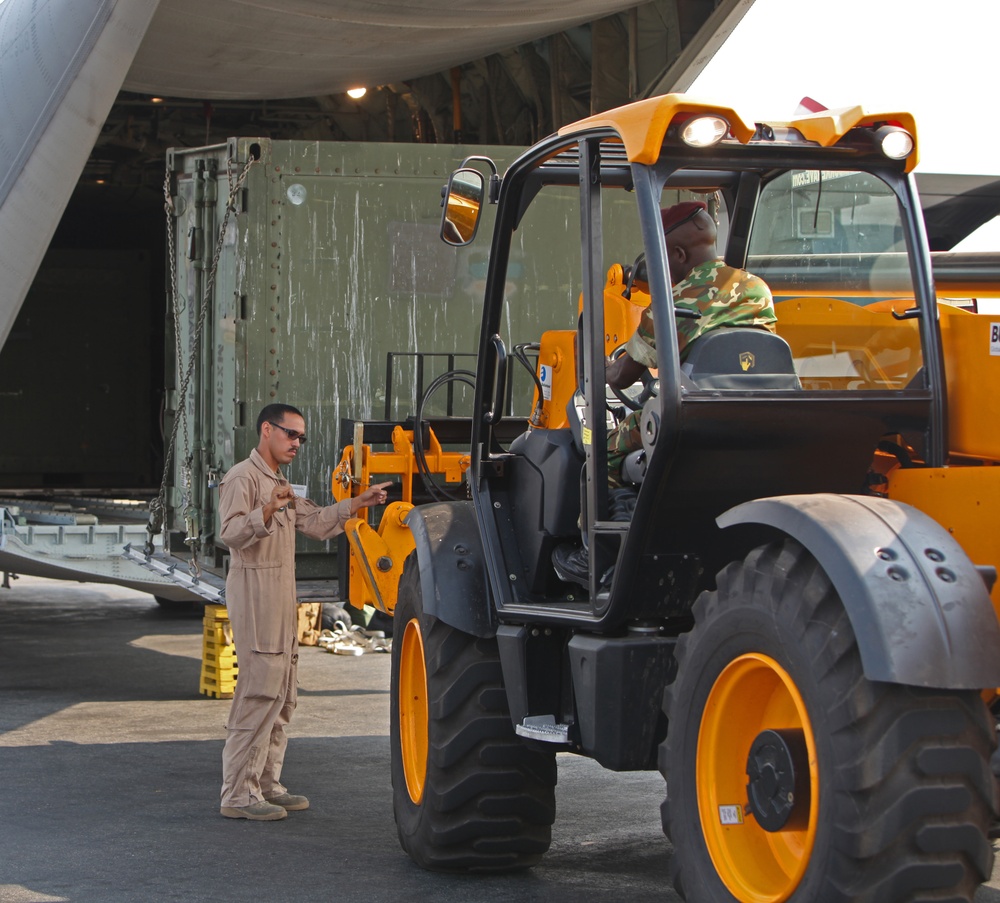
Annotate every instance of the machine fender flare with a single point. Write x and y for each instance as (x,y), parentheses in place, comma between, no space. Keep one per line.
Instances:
(453,577)
(920,609)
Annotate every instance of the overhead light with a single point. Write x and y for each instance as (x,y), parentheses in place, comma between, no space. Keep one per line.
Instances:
(357,93)
(156,100)
(704,131)
(895,143)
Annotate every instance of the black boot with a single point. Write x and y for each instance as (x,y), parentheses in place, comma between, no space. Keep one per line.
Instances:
(572,564)
(621,503)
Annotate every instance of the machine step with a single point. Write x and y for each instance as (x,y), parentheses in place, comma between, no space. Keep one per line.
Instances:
(544,728)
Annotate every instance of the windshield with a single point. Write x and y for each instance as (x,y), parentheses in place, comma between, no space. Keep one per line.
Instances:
(830,244)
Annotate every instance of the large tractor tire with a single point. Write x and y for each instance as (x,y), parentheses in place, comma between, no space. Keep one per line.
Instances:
(790,776)
(467,792)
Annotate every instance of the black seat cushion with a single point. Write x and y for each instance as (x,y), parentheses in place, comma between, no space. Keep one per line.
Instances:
(741,358)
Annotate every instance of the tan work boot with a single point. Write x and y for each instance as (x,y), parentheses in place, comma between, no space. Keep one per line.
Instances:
(290,801)
(259,811)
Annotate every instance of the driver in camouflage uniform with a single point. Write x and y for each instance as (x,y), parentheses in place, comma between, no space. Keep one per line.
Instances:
(722,296)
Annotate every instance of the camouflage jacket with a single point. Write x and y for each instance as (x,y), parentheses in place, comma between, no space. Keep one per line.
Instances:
(724,296)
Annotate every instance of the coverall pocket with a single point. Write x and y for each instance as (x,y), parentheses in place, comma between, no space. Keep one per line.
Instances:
(263,676)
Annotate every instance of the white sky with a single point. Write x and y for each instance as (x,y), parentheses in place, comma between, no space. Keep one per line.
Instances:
(939,61)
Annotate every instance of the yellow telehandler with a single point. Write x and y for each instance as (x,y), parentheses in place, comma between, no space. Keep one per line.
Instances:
(795,623)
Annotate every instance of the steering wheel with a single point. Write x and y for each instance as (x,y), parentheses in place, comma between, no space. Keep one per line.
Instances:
(632,397)
(636,271)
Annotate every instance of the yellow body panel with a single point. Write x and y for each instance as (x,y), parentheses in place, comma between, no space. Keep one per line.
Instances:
(827,127)
(621,314)
(557,349)
(643,125)
(973,375)
(964,500)
(377,557)
(557,352)
(401,462)
(838,344)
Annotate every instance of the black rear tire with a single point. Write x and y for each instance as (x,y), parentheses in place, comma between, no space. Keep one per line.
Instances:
(468,793)
(900,798)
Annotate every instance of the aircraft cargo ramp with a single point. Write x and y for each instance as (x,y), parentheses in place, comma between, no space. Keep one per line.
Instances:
(82,540)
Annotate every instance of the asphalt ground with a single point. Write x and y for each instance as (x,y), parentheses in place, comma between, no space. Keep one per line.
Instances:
(111,765)
(110,761)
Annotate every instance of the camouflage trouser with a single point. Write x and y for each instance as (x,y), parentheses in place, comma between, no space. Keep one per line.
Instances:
(623,439)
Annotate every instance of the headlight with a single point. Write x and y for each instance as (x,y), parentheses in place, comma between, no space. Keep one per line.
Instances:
(894,142)
(704,131)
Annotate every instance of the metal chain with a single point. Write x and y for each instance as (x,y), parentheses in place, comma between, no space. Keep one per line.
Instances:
(157,507)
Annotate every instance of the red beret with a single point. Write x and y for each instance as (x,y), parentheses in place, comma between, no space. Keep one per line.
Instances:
(674,216)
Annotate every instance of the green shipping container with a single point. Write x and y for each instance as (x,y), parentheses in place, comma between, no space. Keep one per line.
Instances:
(328,261)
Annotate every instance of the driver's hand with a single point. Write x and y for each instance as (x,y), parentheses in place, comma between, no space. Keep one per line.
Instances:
(623,371)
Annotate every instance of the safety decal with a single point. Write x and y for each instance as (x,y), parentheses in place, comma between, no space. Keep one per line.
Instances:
(731,815)
(545,378)
(587,435)
(994,338)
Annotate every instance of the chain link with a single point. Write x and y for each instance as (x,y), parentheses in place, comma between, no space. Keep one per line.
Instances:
(158,506)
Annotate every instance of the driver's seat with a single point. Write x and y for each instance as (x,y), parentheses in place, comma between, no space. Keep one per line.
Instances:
(741,357)
(736,358)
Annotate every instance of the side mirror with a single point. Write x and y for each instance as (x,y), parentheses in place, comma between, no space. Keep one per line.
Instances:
(463,203)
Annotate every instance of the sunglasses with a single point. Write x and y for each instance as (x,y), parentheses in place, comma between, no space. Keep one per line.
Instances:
(292,434)
(681,222)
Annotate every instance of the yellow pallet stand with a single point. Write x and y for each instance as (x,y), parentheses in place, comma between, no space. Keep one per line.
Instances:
(218,654)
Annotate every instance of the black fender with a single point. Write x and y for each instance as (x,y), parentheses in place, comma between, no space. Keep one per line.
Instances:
(919,608)
(453,579)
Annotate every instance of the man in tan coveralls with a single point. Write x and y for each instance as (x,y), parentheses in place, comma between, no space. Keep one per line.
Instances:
(260,514)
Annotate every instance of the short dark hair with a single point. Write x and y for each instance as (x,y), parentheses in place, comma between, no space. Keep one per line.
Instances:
(275,412)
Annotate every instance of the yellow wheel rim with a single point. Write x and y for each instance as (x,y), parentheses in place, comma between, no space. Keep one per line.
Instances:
(752,694)
(413,710)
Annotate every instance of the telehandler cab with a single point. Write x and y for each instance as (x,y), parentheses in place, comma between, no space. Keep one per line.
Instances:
(795,625)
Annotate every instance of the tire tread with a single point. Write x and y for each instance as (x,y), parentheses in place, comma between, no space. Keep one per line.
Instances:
(913,792)
(489,799)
